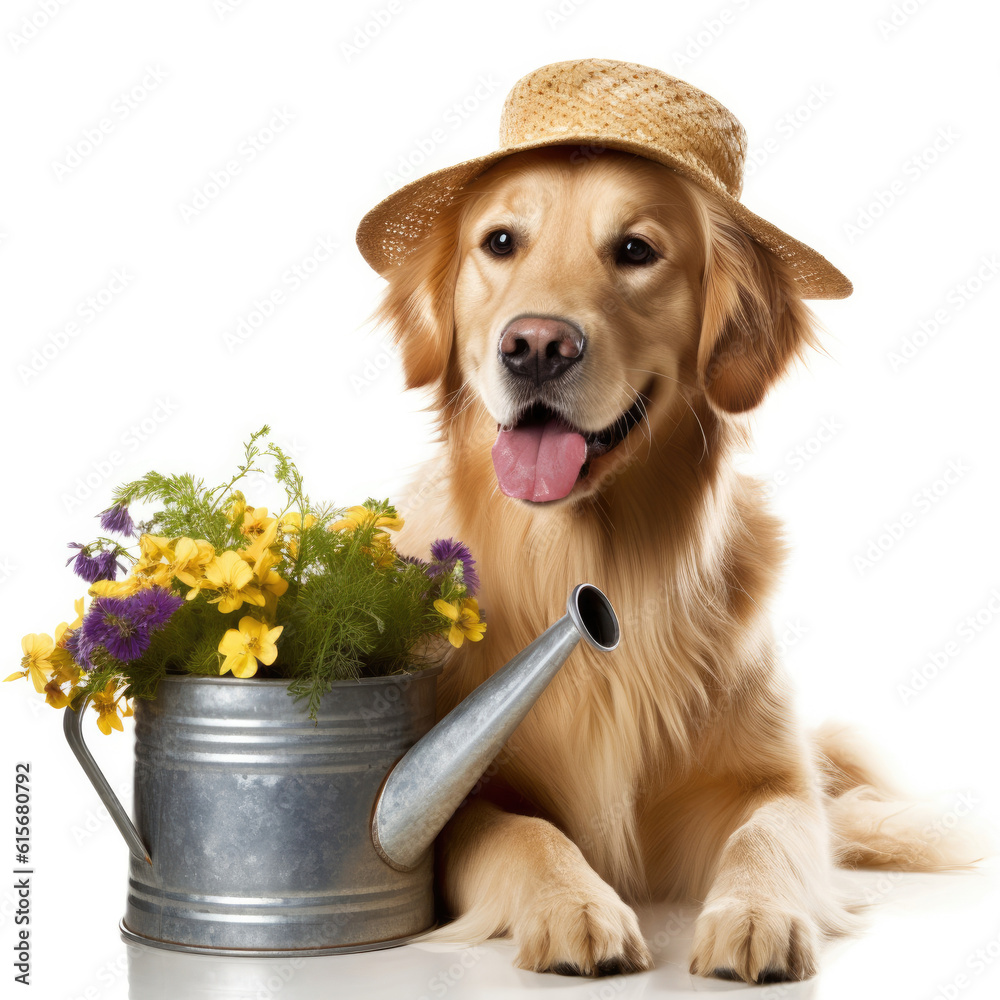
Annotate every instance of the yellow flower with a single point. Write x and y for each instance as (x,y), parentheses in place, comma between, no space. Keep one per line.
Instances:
(361,517)
(106,705)
(256,522)
(152,548)
(63,631)
(266,577)
(132,584)
(381,551)
(233,578)
(262,546)
(149,569)
(243,647)
(291,523)
(237,507)
(37,660)
(188,559)
(465,623)
(55,696)
(65,668)
(47,663)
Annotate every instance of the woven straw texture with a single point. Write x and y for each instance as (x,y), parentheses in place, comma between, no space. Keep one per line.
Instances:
(615,105)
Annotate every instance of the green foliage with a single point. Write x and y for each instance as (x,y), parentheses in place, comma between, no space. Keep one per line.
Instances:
(349,622)
(188,509)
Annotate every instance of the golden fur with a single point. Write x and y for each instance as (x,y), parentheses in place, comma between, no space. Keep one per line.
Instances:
(674,767)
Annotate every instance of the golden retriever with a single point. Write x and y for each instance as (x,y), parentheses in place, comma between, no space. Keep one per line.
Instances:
(593,326)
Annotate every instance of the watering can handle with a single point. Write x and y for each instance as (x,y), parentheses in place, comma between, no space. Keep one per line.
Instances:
(73,731)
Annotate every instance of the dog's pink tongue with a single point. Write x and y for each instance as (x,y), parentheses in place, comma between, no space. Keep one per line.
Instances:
(539,463)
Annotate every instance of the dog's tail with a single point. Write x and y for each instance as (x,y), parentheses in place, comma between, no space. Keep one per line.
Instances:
(873,825)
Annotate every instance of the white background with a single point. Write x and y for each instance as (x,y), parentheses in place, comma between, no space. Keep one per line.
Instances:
(150,381)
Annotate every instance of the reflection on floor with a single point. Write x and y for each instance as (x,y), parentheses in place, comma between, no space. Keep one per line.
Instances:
(934,937)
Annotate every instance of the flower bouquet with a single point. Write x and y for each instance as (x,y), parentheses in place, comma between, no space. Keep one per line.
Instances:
(211,585)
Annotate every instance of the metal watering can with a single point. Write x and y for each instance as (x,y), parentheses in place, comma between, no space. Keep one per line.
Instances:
(258,833)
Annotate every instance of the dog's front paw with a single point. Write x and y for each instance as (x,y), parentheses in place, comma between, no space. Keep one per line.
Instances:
(578,931)
(756,941)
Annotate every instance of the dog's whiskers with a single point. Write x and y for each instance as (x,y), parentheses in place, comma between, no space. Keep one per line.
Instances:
(687,403)
(644,419)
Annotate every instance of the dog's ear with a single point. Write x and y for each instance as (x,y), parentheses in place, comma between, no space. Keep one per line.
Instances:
(418,305)
(754,323)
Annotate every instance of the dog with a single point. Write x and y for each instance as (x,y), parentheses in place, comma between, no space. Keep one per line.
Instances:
(593,326)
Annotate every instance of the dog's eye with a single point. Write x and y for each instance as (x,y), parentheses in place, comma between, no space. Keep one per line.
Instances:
(499,242)
(635,251)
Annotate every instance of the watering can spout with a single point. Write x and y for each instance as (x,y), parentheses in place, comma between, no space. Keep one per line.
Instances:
(430,781)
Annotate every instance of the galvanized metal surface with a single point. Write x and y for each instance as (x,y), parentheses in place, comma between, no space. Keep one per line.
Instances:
(266,953)
(430,782)
(73,731)
(257,821)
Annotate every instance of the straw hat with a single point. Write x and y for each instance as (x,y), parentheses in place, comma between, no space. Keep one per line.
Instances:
(614,105)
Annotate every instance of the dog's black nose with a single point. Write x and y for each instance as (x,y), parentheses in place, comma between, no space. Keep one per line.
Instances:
(540,349)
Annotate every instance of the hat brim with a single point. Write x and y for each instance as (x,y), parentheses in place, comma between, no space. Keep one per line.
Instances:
(390,231)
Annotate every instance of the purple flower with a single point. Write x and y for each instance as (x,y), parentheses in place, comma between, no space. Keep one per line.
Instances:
(116,623)
(91,568)
(102,566)
(413,561)
(155,606)
(446,553)
(108,560)
(124,626)
(117,519)
(78,647)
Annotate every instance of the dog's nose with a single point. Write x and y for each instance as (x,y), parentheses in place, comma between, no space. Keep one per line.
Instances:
(540,349)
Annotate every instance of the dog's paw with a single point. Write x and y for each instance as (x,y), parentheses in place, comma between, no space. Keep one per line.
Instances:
(574,932)
(756,941)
